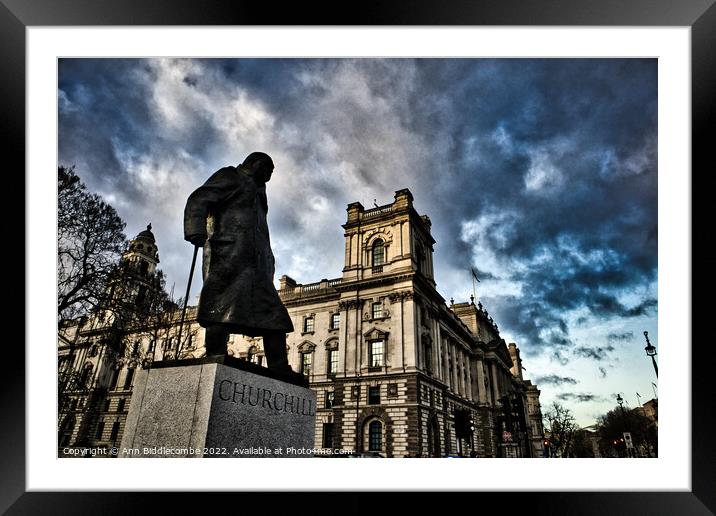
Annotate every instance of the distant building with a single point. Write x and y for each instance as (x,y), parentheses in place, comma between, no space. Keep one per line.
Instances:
(391,362)
(592,436)
(650,409)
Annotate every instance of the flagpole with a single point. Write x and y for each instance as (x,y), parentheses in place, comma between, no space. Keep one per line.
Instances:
(474,278)
(472,275)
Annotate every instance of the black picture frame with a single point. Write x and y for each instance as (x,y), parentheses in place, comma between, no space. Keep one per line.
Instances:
(699,15)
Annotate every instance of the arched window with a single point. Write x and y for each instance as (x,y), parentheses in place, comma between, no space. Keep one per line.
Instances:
(378,253)
(375,436)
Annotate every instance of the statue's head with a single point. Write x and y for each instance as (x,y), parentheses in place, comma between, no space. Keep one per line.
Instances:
(259,163)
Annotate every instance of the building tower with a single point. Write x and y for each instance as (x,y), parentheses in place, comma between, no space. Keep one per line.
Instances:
(143,252)
(137,271)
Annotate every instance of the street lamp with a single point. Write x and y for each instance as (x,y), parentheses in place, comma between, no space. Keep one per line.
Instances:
(651,352)
(620,401)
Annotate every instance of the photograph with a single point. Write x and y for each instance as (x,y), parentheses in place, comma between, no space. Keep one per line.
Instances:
(365,257)
(416,233)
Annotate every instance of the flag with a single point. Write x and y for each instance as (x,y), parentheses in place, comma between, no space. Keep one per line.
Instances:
(474,274)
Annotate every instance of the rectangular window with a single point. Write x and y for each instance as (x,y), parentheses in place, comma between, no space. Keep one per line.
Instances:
(115,431)
(107,403)
(328,435)
(374,395)
(120,406)
(377,310)
(308,324)
(100,430)
(376,353)
(113,379)
(332,361)
(128,379)
(306,363)
(335,321)
(330,396)
(428,358)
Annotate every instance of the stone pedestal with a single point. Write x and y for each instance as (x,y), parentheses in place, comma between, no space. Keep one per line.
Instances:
(218,407)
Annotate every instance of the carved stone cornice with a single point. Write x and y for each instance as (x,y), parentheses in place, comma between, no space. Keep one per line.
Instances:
(403,295)
(350,304)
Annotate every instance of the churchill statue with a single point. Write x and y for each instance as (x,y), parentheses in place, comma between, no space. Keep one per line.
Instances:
(227,217)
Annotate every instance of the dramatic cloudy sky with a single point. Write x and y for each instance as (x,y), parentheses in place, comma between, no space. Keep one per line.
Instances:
(541,174)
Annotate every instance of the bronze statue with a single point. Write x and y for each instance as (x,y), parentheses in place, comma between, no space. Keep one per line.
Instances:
(227,216)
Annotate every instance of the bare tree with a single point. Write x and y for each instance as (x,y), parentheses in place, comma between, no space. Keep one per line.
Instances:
(614,423)
(142,312)
(561,427)
(90,240)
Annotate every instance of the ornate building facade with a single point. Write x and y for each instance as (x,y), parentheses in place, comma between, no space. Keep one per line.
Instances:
(398,371)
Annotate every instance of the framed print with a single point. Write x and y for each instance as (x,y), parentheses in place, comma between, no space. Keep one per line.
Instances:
(513,192)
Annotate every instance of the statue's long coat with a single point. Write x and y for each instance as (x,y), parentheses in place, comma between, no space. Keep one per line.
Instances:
(230,209)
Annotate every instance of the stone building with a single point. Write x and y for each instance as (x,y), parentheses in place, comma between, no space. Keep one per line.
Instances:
(391,362)
(97,355)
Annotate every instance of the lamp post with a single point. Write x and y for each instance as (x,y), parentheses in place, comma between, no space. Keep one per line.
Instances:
(620,401)
(651,351)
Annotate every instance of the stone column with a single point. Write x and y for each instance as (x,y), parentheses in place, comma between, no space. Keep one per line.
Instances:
(495,381)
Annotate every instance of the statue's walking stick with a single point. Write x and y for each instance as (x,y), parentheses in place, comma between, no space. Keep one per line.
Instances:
(186,300)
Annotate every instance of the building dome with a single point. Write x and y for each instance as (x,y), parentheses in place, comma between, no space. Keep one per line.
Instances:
(146,234)
(143,250)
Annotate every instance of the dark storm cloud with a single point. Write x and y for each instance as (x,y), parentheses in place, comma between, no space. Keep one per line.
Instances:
(585,123)
(553,379)
(540,174)
(596,353)
(583,397)
(621,337)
